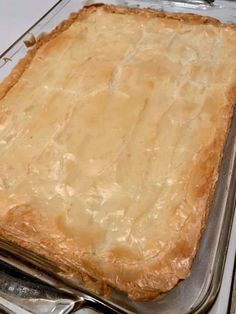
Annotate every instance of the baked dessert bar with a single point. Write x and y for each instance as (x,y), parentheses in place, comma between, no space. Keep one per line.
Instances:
(111,133)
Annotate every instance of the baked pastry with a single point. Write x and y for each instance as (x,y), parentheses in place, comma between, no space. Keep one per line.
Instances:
(112,129)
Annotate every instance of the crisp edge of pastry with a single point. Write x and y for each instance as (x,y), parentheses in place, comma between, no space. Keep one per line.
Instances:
(88,273)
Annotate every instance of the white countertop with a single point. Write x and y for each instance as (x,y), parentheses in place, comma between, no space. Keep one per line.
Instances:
(16,16)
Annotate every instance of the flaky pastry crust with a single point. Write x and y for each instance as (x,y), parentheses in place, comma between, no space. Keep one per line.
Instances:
(130,217)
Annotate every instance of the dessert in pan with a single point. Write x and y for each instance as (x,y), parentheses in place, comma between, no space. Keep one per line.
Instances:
(112,129)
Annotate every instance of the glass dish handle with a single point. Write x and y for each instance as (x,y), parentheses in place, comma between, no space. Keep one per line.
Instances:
(21,293)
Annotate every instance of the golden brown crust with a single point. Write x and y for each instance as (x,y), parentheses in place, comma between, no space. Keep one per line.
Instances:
(42,39)
(119,267)
(23,64)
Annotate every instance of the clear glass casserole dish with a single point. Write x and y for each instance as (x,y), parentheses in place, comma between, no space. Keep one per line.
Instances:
(197,293)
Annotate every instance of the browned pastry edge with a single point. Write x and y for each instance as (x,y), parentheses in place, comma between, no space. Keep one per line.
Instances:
(84,268)
(22,65)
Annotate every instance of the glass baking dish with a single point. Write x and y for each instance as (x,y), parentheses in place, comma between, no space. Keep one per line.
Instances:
(197,293)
